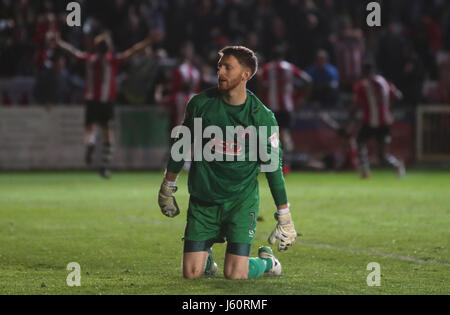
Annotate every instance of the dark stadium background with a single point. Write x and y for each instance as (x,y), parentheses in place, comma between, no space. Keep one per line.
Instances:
(41,88)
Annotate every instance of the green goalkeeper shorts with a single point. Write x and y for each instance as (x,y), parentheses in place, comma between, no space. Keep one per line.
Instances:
(233,221)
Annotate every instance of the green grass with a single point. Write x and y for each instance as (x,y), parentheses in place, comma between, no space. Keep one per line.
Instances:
(115,231)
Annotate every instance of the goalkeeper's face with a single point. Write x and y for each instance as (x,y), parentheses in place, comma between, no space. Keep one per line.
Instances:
(230,73)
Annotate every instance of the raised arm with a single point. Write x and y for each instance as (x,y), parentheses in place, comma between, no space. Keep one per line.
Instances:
(303,76)
(70,49)
(395,92)
(153,37)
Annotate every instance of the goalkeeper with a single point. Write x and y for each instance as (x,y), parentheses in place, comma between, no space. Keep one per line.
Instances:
(224,196)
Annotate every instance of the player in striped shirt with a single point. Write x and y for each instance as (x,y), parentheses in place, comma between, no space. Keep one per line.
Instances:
(373,95)
(279,81)
(101,71)
(185,82)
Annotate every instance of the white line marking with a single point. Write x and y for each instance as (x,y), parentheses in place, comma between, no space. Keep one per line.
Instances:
(378,253)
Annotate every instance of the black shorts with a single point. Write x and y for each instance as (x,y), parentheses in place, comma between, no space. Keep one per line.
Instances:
(285,119)
(382,134)
(98,113)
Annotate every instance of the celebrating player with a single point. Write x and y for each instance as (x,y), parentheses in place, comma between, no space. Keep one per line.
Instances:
(100,92)
(224,197)
(279,80)
(372,94)
(184,84)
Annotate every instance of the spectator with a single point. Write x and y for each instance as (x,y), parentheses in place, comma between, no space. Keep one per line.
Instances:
(389,56)
(427,40)
(411,77)
(52,82)
(276,39)
(325,80)
(143,74)
(313,35)
(177,14)
(349,53)
(300,27)
(203,21)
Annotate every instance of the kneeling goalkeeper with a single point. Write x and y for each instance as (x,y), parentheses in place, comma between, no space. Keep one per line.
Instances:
(224,196)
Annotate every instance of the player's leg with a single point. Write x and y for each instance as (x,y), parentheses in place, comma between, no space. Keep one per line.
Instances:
(236,264)
(202,230)
(210,265)
(194,264)
(107,119)
(384,140)
(198,259)
(90,131)
(108,150)
(239,267)
(240,228)
(363,154)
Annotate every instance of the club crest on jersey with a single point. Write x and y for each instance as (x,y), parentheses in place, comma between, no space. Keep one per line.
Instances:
(274,142)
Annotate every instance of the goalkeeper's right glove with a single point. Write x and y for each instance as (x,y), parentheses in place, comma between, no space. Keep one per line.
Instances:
(284,231)
(166,200)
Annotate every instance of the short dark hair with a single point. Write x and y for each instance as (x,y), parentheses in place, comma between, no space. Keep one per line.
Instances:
(244,55)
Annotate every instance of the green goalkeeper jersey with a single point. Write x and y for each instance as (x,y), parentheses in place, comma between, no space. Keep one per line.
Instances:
(234,171)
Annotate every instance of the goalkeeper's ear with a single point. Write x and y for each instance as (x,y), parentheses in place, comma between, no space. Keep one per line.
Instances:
(246,74)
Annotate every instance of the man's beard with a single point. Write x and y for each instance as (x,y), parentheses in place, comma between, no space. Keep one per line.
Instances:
(231,84)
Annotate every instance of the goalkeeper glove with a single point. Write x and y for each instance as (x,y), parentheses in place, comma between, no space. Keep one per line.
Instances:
(166,200)
(284,231)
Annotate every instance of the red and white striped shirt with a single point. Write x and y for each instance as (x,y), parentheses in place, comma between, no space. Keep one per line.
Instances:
(101,75)
(277,79)
(374,96)
(185,83)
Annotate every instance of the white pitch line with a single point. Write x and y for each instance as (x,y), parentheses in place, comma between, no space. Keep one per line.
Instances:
(377,253)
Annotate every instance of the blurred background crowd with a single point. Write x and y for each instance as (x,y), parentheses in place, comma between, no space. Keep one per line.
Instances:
(329,39)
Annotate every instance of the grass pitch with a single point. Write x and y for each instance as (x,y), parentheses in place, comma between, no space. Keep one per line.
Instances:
(123,244)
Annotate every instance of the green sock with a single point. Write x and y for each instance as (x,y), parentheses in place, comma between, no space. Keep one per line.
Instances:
(256,267)
(209,260)
(268,264)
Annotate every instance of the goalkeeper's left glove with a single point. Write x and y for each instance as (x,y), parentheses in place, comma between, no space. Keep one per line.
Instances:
(284,231)
(166,200)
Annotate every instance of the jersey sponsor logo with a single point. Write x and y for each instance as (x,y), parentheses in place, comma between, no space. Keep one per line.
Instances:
(244,133)
(227,147)
(190,145)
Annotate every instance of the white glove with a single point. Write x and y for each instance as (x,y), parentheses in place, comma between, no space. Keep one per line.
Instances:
(166,200)
(284,231)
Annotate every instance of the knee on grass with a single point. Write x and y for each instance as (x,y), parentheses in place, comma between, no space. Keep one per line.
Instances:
(193,272)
